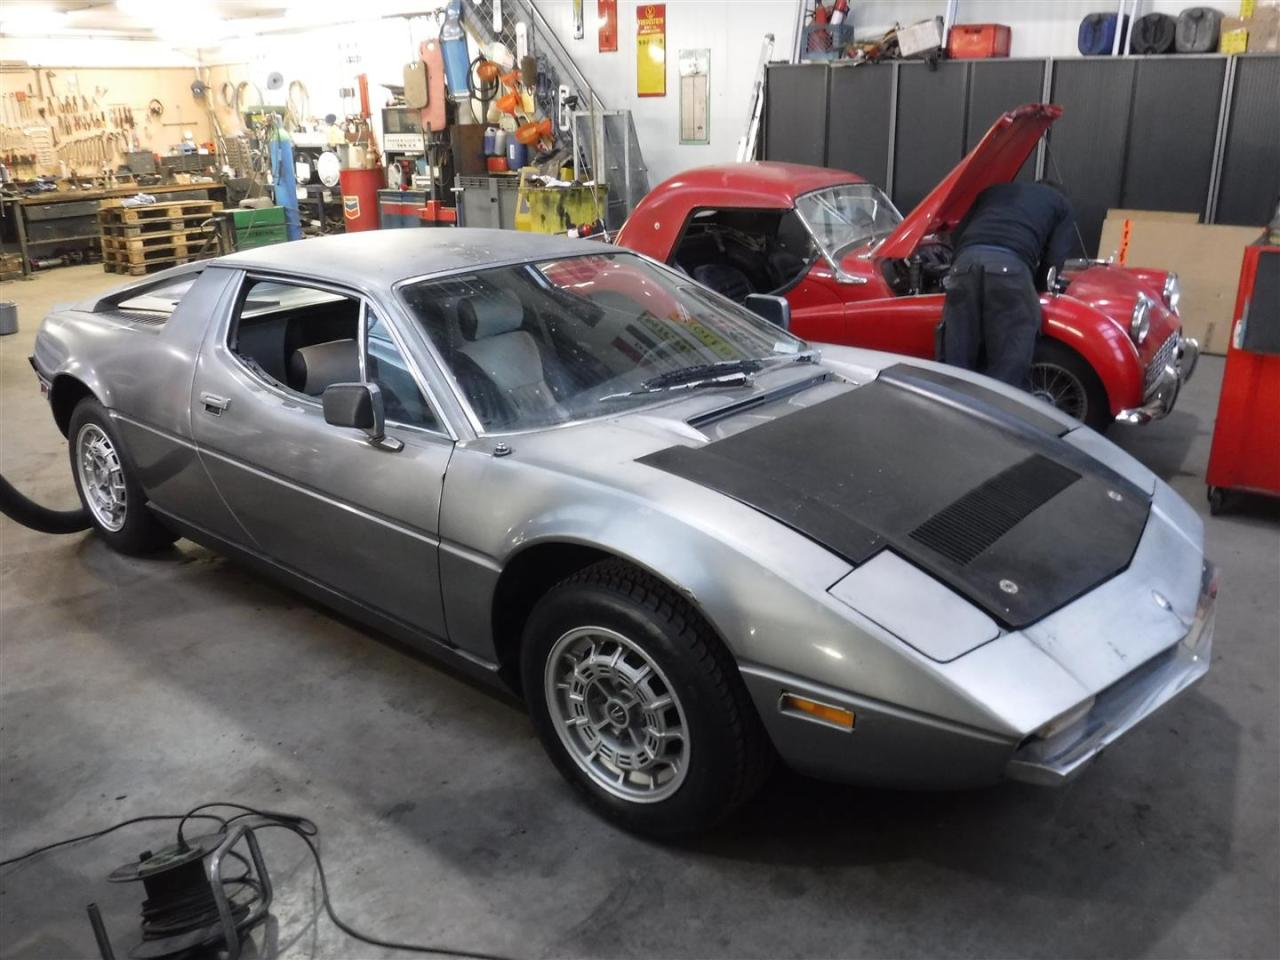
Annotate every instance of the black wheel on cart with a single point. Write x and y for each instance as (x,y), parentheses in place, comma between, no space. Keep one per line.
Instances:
(1217,500)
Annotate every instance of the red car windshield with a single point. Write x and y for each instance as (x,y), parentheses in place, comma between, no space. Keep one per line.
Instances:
(846,216)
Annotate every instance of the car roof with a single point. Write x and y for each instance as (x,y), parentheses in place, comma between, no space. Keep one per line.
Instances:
(383,257)
(783,181)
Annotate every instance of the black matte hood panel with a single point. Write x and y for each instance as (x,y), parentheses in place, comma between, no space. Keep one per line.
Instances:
(971,486)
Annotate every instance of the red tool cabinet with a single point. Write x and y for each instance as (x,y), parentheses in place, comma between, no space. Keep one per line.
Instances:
(1246,437)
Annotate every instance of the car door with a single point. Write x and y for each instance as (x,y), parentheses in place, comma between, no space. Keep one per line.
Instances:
(319,500)
(896,324)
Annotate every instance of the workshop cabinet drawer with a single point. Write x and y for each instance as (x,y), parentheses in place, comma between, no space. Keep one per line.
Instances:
(57,211)
(64,228)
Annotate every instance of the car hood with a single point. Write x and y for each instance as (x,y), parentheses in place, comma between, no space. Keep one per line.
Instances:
(974,486)
(996,159)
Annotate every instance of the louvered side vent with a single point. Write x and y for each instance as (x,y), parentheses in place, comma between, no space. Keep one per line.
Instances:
(149,317)
(982,516)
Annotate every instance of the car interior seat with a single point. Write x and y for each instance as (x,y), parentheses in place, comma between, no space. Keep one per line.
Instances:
(726,280)
(313,369)
(517,370)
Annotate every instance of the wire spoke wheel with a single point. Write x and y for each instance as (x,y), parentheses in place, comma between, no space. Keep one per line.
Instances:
(101,477)
(617,715)
(1056,385)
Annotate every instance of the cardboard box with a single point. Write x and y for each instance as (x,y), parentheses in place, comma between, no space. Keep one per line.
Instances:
(1264,29)
(1234,37)
(1206,258)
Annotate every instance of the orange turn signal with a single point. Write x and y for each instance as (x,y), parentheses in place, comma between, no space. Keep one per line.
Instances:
(837,717)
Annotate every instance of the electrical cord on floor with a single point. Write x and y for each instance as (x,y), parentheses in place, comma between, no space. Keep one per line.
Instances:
(303,827)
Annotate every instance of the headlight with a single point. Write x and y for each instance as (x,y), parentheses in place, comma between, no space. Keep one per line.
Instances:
(1172,292)
(1140,323)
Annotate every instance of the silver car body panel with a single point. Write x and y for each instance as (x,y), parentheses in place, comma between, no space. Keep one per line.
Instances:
(417,541)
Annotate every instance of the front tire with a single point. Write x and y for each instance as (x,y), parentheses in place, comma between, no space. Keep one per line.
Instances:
(115,501)
(638,703)
(1063,379)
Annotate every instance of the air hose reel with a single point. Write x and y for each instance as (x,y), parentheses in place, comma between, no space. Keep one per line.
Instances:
(189,905)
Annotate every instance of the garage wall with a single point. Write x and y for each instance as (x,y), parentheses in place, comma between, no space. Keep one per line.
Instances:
(1136,132)
(733,32)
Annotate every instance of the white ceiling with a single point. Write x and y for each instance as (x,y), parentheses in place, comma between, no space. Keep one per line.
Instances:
(207,20)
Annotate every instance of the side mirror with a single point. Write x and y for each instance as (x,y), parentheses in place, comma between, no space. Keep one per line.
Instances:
(774,309)
(356,405)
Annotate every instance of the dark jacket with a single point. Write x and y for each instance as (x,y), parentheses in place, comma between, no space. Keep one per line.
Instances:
(1033,220)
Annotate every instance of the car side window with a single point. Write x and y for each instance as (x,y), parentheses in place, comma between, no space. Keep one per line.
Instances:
(297,337)
(385,365)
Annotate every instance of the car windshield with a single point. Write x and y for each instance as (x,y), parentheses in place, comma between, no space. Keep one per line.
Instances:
(845,216)
(539,344)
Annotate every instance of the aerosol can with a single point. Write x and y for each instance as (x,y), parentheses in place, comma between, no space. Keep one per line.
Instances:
(454,42)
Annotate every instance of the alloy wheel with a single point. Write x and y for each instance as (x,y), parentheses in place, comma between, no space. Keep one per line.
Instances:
(101,477)
(617,714)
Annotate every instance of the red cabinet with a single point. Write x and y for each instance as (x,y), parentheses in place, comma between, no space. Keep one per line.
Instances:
(1246,437)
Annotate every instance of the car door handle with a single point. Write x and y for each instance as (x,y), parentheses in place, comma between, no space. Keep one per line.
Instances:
(214,404)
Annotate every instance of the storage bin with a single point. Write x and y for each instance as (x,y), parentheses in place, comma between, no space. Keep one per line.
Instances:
(978,41)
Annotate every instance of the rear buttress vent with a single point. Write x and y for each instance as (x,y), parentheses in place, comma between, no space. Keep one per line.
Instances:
(962,530)
(147,317)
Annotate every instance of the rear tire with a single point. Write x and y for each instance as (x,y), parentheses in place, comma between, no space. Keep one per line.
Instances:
(104,480)
(639,705)
(1063,379)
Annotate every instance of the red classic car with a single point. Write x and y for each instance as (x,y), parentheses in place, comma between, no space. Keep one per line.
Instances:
(856,272)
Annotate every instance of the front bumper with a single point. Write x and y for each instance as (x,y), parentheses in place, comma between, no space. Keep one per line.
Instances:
(1124,704)
(1173,367)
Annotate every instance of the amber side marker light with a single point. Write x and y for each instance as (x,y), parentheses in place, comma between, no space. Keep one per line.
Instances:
(824,713)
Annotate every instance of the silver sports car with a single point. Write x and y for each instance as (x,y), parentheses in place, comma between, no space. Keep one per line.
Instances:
(692,542)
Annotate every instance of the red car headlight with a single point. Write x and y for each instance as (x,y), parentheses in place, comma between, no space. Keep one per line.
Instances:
(1172,291)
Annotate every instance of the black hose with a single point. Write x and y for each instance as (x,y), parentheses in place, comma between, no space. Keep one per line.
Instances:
(30,514)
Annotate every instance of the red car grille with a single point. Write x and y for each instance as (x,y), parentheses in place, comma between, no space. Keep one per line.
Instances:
(1166,356)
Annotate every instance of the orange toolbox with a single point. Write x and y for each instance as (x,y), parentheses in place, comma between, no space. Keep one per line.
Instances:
(978,41)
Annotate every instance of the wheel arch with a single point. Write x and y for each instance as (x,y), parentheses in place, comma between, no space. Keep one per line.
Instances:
(1100,343)
(65,393)
(529,574)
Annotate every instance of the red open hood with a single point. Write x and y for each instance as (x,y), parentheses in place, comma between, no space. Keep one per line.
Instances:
(996,159)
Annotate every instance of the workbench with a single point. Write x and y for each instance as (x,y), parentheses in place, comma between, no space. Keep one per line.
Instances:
(70,217)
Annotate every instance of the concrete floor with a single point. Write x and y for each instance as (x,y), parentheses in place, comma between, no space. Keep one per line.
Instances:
(148,686)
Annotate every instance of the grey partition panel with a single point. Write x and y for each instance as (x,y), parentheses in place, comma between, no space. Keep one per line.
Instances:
(997,86)
(1087,143)
(796,118)
(858,121)
(1250,180)
(1172,131)
(930,128)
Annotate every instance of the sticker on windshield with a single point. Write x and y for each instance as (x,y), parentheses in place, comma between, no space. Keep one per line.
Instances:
(781,346)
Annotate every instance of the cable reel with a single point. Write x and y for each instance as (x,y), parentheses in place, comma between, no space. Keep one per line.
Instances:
(189,905)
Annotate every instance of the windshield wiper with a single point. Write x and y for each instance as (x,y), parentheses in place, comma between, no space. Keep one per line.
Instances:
(725,373)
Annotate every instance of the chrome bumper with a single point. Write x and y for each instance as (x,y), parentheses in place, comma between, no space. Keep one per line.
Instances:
(1163,393)
(1120,707)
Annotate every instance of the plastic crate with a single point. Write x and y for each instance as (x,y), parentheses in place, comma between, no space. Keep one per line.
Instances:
(978,41)
(261,236)
(824,41)
(260,217)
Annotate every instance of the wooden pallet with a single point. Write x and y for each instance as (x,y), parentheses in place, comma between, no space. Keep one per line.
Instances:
(164,225)
(179,209)
(137,249)
(147,266)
